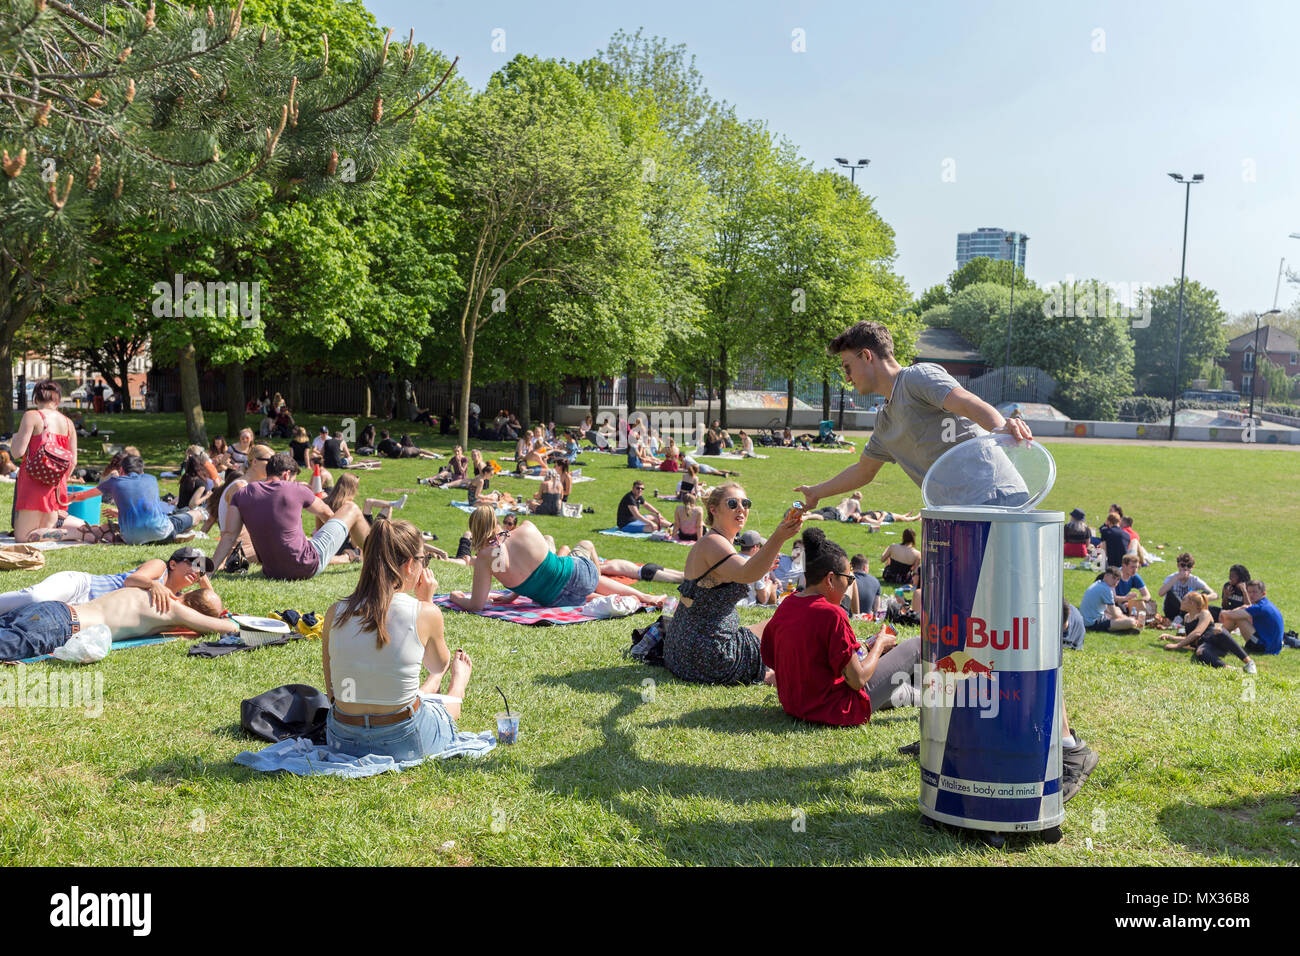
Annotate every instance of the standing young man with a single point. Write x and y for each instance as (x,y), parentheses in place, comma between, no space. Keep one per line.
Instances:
(926,413)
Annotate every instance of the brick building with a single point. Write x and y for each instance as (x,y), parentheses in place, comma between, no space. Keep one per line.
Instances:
(1277,346)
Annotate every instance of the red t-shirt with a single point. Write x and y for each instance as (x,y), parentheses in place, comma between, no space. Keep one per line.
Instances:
(807,642)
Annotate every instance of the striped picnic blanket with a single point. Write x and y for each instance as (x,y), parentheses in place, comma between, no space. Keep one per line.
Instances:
(523,611)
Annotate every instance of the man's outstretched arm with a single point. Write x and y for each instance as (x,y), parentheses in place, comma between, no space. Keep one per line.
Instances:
(860,473)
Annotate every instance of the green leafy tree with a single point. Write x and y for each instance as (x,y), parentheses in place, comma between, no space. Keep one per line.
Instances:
(117,115)
(1155,345)
(532,168)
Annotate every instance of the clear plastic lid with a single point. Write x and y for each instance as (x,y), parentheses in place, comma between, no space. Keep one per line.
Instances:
(993,471)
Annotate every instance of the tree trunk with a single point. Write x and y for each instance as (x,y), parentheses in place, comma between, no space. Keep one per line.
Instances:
(7,381)
(826,399)
(631,390)
(546,398)
(722,389)
(124,372)
(295,390)
(789,402)
(235,399)
(524,401)
(190,401)
(368,398)
(466,377)
(593,396)
(708,397)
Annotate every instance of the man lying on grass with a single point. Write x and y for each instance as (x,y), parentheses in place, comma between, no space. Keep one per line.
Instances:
(164,581)
(927,412)
(127,612)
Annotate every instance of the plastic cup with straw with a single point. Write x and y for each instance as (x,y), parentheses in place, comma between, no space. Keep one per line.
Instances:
(507,722)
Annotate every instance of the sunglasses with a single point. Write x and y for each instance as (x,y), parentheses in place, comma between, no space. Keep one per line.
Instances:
(425,558)
(848,578)
(734,503)
(261,459)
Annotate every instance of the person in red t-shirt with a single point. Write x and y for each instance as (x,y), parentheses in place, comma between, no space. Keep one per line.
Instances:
(823,674)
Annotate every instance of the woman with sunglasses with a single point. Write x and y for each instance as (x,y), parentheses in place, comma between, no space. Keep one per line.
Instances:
(824,675)
(705,642)
(375,641)
(525,562)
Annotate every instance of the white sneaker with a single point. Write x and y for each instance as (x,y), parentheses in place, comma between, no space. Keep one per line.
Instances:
(905,695)
(1250,667)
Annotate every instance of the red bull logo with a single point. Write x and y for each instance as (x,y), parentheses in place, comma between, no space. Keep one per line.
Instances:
(977,633)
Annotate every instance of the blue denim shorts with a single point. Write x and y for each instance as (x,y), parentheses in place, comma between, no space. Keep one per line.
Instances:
(429,732)
(582,582)
(35,630)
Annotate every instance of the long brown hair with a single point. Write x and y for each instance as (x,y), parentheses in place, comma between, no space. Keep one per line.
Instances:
(344,490)
(388,546)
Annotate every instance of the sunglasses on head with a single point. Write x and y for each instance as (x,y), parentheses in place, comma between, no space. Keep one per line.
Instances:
(425,558)
(734,503)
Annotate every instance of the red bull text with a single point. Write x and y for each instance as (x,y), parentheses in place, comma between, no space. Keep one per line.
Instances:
(990,668)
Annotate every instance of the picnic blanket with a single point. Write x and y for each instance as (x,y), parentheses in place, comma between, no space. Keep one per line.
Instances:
(466,507)
(524,611)
(7,540)
(732,456)
(510,474)
(117,645)
(298,755)
(642,535)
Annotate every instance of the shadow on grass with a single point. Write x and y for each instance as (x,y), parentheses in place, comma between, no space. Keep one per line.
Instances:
(790,825)
(1253,829)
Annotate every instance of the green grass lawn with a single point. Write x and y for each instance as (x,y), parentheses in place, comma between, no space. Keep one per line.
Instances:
(621,764)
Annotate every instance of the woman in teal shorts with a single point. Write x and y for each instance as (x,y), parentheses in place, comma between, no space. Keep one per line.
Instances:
(522,560)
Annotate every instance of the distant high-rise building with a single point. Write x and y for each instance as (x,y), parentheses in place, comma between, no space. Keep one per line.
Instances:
(990,243)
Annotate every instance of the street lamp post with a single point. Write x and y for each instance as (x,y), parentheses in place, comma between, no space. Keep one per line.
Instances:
(853,167)
(1016,239)
(853,172)
(1182,280)
(1254,372)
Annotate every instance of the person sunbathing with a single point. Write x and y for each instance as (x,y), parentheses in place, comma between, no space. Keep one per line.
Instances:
(40,628)
(164,580)
(522,561)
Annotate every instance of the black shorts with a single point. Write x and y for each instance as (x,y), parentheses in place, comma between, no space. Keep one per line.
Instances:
(1099,626)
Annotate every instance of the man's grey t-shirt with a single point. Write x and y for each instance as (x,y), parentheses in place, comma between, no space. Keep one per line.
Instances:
(1072,633)
(913,430)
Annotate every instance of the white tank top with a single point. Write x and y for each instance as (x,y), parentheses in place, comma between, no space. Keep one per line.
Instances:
(364,674)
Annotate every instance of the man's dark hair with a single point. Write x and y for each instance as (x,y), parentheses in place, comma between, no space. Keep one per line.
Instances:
(858,562)
(132,465)
(864,335)
(384,433)
(281,462)
(338,435)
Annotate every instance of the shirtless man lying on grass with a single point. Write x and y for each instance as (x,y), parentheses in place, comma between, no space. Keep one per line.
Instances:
(128,612)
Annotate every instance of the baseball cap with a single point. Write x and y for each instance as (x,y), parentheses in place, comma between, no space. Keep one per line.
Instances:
(190,555)
(1077,514)
(324,429)
(751,539)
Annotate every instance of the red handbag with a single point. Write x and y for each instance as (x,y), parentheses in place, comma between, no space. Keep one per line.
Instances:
(50,463)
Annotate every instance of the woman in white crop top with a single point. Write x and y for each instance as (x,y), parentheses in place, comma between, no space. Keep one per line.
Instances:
(374,643)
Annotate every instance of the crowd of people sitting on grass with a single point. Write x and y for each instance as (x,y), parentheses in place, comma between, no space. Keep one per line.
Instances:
(388,628)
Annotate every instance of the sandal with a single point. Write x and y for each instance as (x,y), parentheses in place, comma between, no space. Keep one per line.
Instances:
(95,532)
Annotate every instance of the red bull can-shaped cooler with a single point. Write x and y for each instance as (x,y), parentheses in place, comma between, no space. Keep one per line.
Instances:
(991,591)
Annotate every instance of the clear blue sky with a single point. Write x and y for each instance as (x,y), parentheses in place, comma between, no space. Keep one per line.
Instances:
(1046,136)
